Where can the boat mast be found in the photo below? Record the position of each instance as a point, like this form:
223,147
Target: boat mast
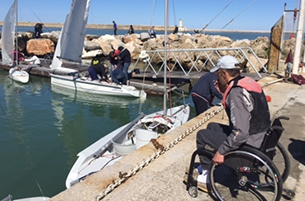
165,55
299,36
16,33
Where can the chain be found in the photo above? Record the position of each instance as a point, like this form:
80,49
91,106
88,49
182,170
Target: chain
161,150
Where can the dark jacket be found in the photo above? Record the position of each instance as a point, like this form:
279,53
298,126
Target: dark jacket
205,87
99,68
125,56
113,60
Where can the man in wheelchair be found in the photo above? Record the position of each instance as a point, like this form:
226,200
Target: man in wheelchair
249,118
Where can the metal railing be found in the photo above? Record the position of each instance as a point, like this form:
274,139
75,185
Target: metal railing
199,58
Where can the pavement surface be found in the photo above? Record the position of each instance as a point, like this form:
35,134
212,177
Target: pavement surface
153,176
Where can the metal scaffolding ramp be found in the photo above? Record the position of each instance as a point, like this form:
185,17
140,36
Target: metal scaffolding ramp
198,59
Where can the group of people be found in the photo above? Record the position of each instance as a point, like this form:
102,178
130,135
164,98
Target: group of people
245,104
120,60
115,28
151,31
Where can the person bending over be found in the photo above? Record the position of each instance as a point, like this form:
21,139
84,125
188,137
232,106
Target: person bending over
118,75
97,68
204,91
249,118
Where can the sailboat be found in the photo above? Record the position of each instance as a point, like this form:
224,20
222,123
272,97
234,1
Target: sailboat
130,137
8,36
69,48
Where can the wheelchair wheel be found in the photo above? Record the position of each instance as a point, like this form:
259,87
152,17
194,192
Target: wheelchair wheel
281,161
246,174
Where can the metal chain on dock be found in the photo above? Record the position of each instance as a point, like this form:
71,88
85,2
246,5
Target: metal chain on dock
123,177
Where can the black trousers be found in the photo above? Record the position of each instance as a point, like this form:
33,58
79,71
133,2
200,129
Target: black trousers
211,138
200,104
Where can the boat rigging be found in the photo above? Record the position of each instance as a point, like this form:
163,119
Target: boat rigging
216,16
239,14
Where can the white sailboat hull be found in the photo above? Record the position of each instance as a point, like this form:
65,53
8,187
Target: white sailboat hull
103,88
38,198
19,75
118,143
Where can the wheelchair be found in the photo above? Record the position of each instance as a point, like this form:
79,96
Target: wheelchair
247,173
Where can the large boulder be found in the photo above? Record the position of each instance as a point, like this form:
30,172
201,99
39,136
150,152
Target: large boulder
40,46
144,36
54,36
91,54
134,49
91,45
131,37
261,46
241,43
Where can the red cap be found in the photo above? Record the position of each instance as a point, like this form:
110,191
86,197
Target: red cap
117,52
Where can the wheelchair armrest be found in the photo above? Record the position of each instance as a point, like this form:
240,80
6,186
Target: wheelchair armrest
279,128
283,117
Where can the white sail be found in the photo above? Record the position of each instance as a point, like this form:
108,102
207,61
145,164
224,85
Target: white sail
69,46
8,34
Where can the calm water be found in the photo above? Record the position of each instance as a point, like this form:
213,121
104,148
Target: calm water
42,130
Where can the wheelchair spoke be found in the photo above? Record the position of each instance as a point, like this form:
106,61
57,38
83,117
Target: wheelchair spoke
237,179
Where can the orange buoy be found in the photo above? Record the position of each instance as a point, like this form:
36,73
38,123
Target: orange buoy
268,98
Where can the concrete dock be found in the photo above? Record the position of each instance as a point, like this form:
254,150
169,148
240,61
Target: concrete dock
151,174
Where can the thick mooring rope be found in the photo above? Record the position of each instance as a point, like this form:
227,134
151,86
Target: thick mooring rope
161,150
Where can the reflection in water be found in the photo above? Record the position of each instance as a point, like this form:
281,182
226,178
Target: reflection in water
71,129
51,128
94,99
19,159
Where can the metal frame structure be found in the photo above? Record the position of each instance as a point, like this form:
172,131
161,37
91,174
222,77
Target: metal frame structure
240,53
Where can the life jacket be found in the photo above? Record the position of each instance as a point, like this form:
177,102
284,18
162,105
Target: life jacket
260,116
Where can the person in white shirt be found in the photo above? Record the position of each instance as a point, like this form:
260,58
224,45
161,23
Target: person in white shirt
33,60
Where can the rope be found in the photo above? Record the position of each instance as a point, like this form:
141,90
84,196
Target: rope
174,11
239,14
152,13
216,16
161,150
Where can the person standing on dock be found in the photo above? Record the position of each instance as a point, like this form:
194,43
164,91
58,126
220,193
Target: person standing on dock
38,30
288,63
114,27
125,60
204,91
248,112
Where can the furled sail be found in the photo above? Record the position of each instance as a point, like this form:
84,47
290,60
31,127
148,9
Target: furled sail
8,35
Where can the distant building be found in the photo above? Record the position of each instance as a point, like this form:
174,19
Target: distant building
181,27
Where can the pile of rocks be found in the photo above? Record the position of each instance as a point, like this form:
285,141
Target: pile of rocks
104,44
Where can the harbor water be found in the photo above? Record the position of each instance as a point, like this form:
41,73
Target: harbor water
43,129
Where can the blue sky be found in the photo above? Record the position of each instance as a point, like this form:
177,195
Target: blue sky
247,14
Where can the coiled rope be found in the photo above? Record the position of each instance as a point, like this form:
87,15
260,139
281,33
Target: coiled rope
161,150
